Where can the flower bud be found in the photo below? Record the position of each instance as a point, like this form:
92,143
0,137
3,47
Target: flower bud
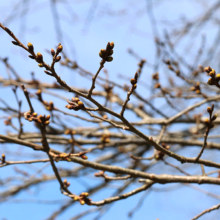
41,65
214,117
52,51
80,103
207,69
209,110
3,158
39,58
112,45
58,59
59,48
218,76
76,198
110,53
109,59
15,43
84,157
82,202
102,53
212,73
47,122
47,117
133,81
34,114
211,81
30,47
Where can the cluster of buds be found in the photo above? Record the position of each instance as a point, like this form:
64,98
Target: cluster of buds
105,54
133,81
69,131
83,198
100,174
62,156
157,85
44,120
8,121
105,138
155,76
159,154
65,183
3,158
49,105
75,104
171,67
55,54
212,118
196,88
215,78
140,65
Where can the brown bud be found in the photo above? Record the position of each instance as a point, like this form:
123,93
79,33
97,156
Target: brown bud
41,65
30,47
3,158
212,73
214,117
52,51
157,85
209,110
133,81
211,126
110,52
109,59
82,202
218,76
15,43
207,121
207,69
102,53
112,45
76,198
39,58
211,81
84,194
47,122
75,99
32,57
59,48
47,117
170,67
58,59
80,103
177,72
67,131
84,157
34,114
